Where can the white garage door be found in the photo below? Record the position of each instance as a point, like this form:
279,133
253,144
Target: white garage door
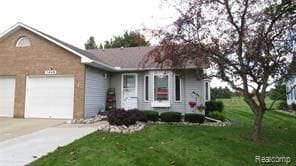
50,97
7,91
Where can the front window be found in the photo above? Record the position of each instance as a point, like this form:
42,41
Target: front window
161,87
177,88
207,91
146,88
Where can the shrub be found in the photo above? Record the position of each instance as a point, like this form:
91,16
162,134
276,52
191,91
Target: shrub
170,117
293,106
121,117
210,106
217,115
194,118
219,106
213,106
283,105
151,115
137,115
221,93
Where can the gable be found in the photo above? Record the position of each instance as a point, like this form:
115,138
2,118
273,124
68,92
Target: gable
33,60
40,49
86,57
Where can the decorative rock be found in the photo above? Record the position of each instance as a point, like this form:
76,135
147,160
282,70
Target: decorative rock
122,129
69,121
86,121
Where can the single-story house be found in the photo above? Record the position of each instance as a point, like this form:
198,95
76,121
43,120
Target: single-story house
291,94
44,77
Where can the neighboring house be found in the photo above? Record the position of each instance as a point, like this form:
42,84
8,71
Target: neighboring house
291,96
43,77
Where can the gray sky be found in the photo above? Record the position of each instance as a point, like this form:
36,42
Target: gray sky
74,21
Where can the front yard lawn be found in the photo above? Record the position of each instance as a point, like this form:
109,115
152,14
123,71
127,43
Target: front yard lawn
185,145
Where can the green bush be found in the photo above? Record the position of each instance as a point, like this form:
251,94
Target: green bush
194,118
213,106
210,106
151,115
219,106
170,116
121,117
283,105
217,115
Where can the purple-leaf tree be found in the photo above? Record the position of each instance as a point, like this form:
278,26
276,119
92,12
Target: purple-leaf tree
247,43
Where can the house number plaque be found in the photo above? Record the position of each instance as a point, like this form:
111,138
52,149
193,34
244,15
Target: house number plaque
50,71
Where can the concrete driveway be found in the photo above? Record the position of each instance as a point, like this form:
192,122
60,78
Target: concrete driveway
21,150
12,127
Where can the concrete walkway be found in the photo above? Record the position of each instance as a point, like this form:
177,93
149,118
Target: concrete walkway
24,149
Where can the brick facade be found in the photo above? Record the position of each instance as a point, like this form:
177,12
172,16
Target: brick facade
34,60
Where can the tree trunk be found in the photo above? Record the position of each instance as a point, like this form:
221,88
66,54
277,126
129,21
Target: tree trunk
256,136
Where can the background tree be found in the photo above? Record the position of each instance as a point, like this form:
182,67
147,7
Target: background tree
90,44
128,39
245,41
218,93
278,93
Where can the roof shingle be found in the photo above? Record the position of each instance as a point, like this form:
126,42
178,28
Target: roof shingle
122,57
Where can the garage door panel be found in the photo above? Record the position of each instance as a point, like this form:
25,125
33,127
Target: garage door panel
7,94
50,97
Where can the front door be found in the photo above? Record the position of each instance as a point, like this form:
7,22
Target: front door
129,91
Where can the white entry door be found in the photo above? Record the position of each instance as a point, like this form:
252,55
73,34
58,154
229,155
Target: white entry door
129,91
7,93
50,97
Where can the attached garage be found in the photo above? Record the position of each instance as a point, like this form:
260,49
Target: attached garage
7,93
43,77
49,97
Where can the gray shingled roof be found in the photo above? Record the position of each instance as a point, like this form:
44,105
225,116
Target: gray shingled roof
122,57
116,57
125,58
80,51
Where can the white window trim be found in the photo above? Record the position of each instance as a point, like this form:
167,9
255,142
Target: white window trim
145,88
136,77
163,103
181,96
20,40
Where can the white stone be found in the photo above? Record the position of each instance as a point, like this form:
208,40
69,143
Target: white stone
125,131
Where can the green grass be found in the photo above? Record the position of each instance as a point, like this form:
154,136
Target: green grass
185,145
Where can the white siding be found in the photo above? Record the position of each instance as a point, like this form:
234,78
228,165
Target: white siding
189,84
291,97
192,84
96,86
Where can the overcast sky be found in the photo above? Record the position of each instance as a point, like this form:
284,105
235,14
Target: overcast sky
73,21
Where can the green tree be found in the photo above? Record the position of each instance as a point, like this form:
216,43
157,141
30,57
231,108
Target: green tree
90,44
245,41
218,93
278,93
128,39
